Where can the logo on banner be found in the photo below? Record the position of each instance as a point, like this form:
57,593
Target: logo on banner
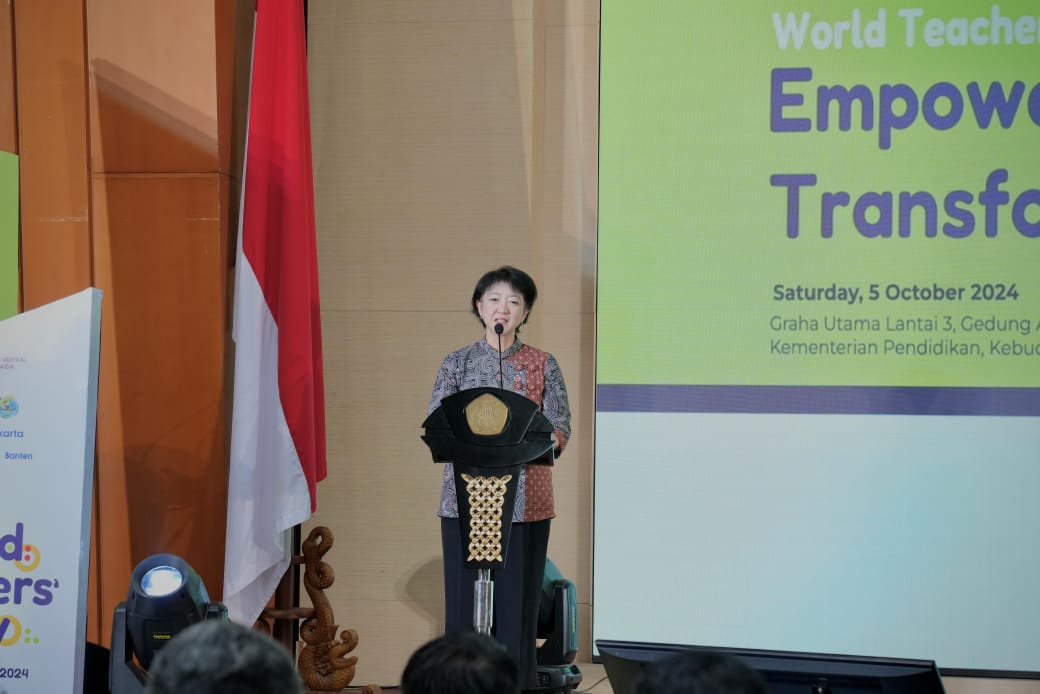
8,406
8,410
10,361
21,587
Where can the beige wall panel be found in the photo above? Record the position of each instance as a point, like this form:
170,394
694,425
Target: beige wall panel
570,13
381,494
52,117
338,13
153,97
971,685
380,497
570,543
567,179
160,259
398,628
431,168
419,159
564,235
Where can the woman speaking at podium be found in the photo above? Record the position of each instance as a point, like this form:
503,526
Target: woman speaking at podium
505,297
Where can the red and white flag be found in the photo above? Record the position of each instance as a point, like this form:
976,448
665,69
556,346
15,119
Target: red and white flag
278,421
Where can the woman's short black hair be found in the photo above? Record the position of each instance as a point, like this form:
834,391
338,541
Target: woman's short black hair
517,279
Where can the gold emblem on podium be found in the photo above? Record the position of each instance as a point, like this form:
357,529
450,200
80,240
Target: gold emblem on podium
487,415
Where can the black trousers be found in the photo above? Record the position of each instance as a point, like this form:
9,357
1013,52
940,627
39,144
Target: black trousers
517,591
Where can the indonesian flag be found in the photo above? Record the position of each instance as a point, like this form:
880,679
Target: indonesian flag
278,422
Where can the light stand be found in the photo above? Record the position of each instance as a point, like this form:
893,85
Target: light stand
166,596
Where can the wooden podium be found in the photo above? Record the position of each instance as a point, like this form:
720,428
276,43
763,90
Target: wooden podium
487,434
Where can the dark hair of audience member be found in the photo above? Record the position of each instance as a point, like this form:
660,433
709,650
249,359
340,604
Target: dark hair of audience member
221,657
699,673
461,663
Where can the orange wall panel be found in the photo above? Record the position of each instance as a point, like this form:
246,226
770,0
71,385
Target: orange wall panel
52,118
161,91
8,112
153,97
234,32
160,259
130,113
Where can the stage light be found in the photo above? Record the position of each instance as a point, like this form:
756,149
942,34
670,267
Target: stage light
558,625
162,580
166,596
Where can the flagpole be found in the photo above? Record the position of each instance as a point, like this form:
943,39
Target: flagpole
287,596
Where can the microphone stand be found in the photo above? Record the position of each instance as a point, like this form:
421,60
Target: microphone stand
484,586
498,331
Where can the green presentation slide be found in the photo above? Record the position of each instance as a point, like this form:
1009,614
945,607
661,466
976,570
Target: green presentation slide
818,329
829,194
8,235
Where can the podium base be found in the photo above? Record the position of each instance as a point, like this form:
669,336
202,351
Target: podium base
556,679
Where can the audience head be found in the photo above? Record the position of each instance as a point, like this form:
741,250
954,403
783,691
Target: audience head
699,673
461,663
221,657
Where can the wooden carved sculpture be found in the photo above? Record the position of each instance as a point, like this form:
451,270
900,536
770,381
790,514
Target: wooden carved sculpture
323,663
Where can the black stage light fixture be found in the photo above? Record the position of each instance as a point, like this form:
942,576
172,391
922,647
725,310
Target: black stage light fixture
166,596
558,625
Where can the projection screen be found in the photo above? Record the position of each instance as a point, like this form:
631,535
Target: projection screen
818,332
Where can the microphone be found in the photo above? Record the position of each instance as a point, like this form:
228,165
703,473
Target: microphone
498,331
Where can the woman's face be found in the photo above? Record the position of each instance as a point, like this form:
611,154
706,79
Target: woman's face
501,304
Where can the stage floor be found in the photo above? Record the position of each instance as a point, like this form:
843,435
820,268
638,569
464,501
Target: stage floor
593,679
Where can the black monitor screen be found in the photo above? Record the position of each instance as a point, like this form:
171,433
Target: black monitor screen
785,672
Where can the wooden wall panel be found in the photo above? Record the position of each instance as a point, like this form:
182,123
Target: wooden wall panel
153,97
160,260
160,103
8,95
234,36
139,93
52,118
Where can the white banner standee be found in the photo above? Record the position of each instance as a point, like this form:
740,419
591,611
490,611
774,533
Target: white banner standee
49,360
